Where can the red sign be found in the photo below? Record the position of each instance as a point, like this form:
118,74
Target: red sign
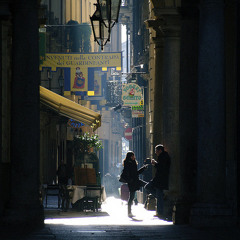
128,134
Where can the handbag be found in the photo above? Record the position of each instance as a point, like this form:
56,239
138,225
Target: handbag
123,177
122,180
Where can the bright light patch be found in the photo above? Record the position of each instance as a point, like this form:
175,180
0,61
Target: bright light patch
90,93
124,34
104,69
118,68
117,215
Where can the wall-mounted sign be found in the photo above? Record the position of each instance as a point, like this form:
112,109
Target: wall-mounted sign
74,124
137,111
138,108
131,94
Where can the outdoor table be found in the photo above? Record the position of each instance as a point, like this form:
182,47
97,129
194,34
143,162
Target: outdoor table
79,192
87,197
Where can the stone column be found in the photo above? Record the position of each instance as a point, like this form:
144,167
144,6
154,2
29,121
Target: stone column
157,117
166,94
150,94
158,52
170,106
24,208
188,111
210,209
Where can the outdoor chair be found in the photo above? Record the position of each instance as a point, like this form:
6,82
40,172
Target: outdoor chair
92,200
52,190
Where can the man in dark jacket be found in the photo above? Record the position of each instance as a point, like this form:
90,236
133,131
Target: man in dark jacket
160,181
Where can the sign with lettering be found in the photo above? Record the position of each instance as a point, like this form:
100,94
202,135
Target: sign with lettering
131,94
74,124
79,69
138,111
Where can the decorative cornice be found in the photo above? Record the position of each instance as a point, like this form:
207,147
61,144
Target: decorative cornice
154,24
166,26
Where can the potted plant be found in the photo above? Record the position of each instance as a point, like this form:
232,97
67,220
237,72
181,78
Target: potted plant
85,147
85,144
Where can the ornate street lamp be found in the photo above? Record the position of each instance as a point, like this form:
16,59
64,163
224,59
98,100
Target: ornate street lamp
100,31
103,19
109,10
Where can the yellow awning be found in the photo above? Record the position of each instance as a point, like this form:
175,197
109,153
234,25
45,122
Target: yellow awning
69,108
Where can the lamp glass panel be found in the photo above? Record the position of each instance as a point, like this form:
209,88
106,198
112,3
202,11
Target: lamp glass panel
96,25
105,35
104,8
101,33
115,7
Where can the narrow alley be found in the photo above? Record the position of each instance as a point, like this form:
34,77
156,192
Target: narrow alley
112,222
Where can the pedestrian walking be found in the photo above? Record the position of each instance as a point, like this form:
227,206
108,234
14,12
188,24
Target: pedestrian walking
132,177
161,178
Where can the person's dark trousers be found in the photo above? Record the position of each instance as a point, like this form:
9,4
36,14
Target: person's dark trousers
130,201
132,195
158,194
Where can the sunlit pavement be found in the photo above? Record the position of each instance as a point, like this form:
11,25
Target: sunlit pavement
116,214
112,222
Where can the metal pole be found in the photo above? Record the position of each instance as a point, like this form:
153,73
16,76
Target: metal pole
127,46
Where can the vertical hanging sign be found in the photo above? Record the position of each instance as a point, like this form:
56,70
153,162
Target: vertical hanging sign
131,94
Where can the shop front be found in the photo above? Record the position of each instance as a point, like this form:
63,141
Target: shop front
62,120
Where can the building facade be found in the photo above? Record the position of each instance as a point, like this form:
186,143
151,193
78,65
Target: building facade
192,106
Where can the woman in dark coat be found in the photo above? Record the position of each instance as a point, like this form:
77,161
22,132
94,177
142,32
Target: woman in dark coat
132,177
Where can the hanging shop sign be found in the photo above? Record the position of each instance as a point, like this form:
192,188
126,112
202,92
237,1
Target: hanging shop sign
82,71
137,111
131,94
